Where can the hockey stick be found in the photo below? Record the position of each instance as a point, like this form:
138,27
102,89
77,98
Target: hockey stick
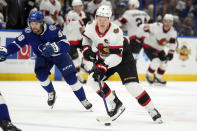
103,95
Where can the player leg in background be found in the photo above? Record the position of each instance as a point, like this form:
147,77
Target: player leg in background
160,72
77,62
154,64
42,71
135,46
68,70
116,105
128,74
5,121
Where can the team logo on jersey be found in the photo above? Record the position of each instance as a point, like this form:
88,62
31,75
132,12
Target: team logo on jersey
184,51
28,30
52,27
116,30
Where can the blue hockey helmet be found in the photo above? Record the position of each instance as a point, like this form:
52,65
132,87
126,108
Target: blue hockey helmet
36,16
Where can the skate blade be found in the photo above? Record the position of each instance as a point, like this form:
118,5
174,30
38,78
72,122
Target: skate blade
51,107
107,119
159,121
120,111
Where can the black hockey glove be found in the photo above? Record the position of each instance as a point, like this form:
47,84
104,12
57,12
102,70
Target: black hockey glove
162,55
3,54
169,56
49,49
100,71
88,54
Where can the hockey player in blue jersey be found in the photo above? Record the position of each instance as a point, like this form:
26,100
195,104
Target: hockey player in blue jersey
5,121
51,48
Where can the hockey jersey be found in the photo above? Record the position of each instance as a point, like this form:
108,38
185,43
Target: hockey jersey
50,34
112,38
51,12
133,19
74,26
92,6
160,39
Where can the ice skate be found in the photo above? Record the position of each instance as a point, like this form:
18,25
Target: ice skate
87,104
117,108
156,116
51,99
8,126
149,79
159,82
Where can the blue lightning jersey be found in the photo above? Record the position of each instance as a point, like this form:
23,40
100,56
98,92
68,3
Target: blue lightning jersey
50,34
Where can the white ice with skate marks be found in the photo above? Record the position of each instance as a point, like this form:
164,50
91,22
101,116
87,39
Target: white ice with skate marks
27,102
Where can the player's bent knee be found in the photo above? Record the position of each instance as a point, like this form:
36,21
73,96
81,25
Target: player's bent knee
42,76
134,88
45,82
71,79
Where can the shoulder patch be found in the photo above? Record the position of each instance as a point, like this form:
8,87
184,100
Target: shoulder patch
27,30
21,37
90,22
116,30
52,27
60,34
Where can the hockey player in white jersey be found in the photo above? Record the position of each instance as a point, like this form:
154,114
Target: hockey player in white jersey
94,5
74,27
51,10
131,20
103,41
159,46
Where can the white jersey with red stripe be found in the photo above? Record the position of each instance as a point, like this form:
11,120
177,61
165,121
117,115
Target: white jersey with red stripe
50,11
112,38
133,19
74,26
92,6
160,39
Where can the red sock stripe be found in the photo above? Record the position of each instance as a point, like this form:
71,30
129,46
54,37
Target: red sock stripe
107,93
151,70
99,91
146,103
143,93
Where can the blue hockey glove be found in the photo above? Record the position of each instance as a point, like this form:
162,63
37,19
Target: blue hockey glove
50,49
100,71
3,54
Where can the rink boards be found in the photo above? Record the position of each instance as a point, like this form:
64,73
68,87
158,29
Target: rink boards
20,66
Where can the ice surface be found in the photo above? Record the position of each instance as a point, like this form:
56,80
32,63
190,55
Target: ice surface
27,103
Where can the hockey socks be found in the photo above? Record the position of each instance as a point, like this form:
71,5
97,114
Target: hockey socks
47,85
4,115
78,91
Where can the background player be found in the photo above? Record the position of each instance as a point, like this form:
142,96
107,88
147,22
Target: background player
159,46
131,20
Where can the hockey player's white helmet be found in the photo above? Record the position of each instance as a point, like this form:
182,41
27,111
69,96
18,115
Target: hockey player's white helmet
168,17
76,2
104,10
135,3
